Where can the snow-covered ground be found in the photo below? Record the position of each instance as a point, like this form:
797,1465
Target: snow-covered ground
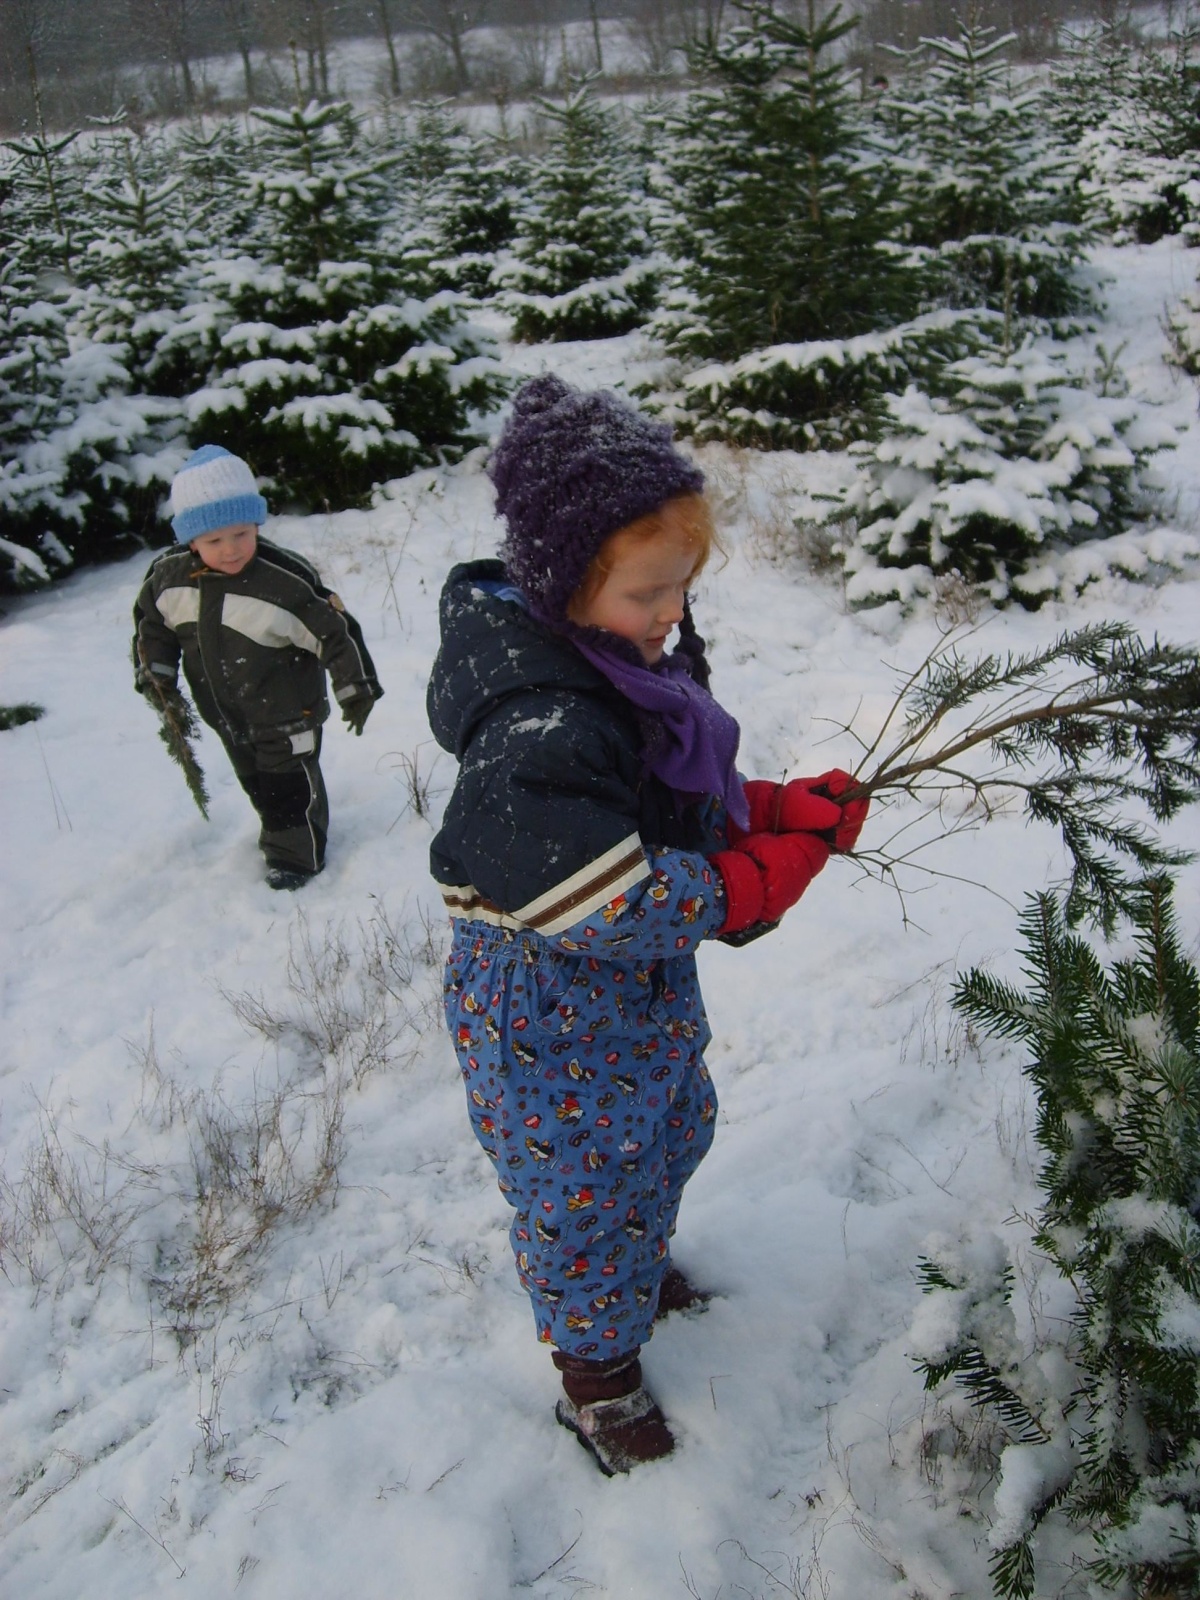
368,1413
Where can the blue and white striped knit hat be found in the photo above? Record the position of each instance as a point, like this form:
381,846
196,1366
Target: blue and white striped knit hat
213,489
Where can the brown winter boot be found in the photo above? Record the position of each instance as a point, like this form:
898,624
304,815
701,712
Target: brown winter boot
609,1412
679,1293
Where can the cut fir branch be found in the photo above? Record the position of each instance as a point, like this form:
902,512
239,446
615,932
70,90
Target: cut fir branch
177,728
1097,722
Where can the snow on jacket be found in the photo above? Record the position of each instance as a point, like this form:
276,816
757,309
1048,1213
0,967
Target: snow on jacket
255,646
579,891
552,817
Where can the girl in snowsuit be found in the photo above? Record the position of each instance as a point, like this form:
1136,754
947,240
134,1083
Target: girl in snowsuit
598,831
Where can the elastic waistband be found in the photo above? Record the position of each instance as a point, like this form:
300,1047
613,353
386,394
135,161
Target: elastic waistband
483,938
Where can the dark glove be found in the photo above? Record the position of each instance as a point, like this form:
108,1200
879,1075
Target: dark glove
356,711
159,694
765,874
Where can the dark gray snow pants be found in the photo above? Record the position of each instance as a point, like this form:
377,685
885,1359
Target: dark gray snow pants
282,777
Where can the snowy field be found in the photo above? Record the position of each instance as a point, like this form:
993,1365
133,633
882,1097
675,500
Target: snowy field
340,1394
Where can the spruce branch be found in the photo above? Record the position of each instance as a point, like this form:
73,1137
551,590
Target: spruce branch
1097,722
177,728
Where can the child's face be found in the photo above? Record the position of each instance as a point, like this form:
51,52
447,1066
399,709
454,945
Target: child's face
641,597
229,549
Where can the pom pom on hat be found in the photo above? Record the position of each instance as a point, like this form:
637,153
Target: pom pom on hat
213,489
570,468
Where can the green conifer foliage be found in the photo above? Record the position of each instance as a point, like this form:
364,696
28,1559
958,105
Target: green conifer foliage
1129,107
989,189
1017,461
476,216
777,211
581,264
1101,1420
312,354
81,476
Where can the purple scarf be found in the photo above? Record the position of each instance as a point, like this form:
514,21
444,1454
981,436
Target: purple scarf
698,749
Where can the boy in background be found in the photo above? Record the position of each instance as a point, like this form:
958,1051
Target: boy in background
256,631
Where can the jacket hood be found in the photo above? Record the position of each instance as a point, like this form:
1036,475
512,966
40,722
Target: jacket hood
491,648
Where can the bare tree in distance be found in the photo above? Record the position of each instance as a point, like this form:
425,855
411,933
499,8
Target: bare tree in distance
595,16
389,39
242,18
449,24
659,29
29,29
533,44
169,24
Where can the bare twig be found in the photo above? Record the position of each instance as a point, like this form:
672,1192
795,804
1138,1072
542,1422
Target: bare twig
1099,721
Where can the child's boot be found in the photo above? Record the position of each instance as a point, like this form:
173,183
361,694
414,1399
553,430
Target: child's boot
610,1413
679,1293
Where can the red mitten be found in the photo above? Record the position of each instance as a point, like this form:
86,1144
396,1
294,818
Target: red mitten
766,874
785,808
802,808
853,812
760,797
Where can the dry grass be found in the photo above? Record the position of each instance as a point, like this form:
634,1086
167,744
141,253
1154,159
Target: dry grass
249,1163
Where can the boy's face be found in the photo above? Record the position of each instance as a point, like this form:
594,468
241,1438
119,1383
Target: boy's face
229,549
641,597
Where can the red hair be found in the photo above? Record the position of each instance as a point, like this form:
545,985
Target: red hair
685,514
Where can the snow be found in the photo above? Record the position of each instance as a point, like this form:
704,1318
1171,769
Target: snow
370,1413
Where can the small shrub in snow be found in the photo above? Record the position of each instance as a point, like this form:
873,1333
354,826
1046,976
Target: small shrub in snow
16,716
1101,1413
1015,464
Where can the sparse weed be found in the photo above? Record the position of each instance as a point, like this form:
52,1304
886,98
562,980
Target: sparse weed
254,1165
416,779
72,1206
357,1007
241,1166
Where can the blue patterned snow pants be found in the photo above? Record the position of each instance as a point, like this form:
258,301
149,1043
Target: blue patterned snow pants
587,1088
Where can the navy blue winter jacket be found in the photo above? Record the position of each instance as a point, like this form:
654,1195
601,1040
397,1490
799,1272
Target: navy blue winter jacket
552,815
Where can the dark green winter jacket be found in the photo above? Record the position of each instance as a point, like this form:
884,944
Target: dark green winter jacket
255,647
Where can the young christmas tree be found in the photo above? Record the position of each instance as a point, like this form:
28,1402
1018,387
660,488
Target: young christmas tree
1128,107
791,282
987,186
1016,463
581,265
1098,1417
311,354
475,215
85,453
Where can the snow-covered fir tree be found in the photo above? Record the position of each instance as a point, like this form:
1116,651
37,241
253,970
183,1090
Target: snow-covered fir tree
1129,106
309,353
988,187
419,150
1097,1409
479,204
778,211
131,244
85,453
581,265
1017,461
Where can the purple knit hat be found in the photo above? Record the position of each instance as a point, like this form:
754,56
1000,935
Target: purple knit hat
571,467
